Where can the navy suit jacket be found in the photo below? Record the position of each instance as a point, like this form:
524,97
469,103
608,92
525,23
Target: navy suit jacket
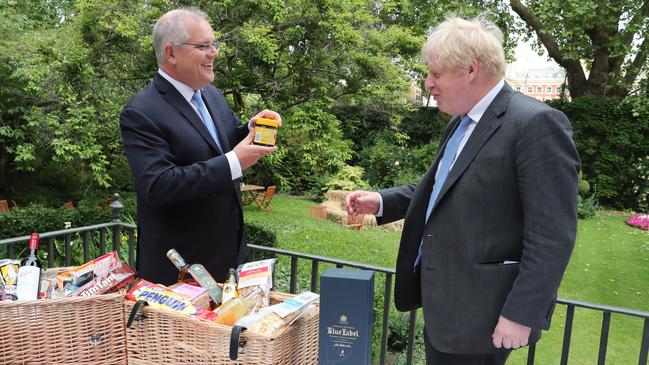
186,198
510,196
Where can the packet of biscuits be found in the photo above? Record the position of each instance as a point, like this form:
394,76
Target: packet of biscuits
101,275
271,319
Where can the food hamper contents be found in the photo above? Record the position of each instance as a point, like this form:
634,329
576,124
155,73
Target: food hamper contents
104,274
270,319
244,298
101,275
198,273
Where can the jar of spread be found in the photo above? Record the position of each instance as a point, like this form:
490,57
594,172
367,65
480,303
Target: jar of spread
266,132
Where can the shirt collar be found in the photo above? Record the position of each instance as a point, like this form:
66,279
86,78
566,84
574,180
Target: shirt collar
184,90
478,110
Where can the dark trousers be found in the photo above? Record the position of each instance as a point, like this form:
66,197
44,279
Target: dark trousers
435,357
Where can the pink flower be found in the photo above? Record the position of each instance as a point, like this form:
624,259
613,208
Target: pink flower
639,221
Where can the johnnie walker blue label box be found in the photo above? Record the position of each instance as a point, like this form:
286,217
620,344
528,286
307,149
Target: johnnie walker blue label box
346,317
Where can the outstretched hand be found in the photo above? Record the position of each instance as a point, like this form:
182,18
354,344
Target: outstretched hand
248,153
362,202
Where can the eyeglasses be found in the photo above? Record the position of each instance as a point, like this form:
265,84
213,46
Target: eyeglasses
205,47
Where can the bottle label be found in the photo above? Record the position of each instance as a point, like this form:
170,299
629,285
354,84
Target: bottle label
265,135
204,279
28,280
229,292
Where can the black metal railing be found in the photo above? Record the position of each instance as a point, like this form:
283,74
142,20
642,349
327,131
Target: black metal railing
101,234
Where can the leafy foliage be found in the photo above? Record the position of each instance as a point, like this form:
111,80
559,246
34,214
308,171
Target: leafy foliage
611,135
611,37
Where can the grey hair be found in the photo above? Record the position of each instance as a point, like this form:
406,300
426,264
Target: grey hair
456,41
170,29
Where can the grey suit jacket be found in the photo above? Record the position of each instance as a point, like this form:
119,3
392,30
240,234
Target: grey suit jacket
186,198
510,196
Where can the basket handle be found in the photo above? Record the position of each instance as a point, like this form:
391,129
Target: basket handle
235,342
131,317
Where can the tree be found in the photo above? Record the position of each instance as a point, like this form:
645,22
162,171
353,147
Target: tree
609,37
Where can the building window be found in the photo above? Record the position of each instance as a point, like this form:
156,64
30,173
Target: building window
558,89
418,95
529,89
549,89
539,89
518,88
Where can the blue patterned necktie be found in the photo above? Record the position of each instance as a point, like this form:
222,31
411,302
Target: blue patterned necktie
207,119
450,153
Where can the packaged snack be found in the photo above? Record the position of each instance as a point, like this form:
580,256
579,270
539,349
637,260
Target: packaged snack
159,296
270,319
9,273
197,295
98,276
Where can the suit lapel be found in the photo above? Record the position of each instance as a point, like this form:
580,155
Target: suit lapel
488,124
174,98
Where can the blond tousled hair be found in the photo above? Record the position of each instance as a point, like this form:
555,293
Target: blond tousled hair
456,42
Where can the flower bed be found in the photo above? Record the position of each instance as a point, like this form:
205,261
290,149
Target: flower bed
639,221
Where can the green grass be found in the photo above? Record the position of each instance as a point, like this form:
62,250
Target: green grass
610,265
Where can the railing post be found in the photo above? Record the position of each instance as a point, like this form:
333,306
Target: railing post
387,292
116,207
567,334
644,346
412,327
131,248
293,285
531,351
603,338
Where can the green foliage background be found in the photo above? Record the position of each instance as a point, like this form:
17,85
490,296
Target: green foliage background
338,71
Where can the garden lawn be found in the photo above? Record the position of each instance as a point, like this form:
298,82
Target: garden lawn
610,265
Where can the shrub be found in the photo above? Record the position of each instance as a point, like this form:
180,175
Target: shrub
586,207
611,136
259,235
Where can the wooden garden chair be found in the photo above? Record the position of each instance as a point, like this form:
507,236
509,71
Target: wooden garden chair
4,206
263,201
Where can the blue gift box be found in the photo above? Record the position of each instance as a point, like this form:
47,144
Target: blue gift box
346,317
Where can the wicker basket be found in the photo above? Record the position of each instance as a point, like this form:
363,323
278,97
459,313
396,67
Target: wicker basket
79,330
165,337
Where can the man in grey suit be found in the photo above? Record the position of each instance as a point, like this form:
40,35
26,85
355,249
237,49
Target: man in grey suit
490,228
187,151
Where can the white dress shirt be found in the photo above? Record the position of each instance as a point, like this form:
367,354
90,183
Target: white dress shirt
187,93
475,114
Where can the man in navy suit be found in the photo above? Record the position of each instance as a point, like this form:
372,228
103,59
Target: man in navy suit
490,228
187,151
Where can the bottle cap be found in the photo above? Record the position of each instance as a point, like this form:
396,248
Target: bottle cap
33,241
267,122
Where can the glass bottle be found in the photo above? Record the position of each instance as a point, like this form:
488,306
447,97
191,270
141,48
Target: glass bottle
181,265
198,273
230,288
238,307
29,273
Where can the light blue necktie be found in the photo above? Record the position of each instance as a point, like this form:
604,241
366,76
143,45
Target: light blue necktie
444,168
207,119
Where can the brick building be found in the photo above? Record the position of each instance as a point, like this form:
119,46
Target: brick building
540,83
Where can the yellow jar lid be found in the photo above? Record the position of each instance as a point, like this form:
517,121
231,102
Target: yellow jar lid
267,122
